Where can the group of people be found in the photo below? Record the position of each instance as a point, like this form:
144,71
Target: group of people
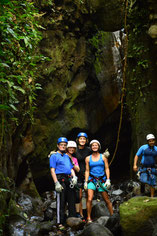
76,166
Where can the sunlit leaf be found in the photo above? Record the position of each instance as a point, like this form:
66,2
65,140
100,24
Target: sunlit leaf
4,107
25,215
19,89
13,107
12,32
4,190
4,65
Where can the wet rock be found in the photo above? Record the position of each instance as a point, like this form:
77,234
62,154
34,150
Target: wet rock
117,192
49,195
102,220
49,214
30,205
46,227
113,224
128,186
116,201
36,218
99,210
49,206
131,185
26,203
53,205
95,229
32,228
16,225
75,223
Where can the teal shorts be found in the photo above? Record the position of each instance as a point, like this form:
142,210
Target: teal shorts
92,186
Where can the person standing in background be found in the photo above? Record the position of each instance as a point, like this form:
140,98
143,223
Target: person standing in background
82,152
71,149
147,170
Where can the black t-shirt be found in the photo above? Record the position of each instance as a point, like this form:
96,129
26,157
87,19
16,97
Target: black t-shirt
81,154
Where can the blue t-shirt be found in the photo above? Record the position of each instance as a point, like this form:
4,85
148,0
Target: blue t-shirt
148,155
97,168
61,163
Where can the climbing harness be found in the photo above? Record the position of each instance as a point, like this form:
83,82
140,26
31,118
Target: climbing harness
149,171
98,181
148,175
66,179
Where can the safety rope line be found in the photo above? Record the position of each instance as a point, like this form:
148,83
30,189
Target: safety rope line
124,82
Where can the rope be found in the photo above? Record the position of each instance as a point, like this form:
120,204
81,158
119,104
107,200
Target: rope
124,82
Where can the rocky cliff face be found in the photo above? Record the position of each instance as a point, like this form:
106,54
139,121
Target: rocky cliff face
141,77
82,79
82,84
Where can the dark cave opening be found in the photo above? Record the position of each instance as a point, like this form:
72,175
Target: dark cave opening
107,135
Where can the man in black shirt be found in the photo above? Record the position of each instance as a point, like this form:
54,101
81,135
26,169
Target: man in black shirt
82,152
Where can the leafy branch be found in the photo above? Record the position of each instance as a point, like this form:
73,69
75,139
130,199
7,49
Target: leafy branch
19,61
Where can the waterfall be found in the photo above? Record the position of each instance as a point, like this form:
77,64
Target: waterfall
118,56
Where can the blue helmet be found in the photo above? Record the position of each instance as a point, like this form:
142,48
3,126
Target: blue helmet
62,139
81,134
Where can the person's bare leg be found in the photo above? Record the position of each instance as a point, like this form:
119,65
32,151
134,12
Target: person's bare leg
81,210
108,202
152,191
77,206
89,203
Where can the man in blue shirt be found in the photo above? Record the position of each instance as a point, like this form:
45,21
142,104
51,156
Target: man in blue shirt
147,170
64,178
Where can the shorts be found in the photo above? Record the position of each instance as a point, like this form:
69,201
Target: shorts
92,186
147,177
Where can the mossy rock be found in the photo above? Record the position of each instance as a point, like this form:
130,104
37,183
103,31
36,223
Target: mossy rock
107,15
3,209
14,208
137,216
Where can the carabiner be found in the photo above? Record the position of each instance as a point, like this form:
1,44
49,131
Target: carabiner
97,185
71,184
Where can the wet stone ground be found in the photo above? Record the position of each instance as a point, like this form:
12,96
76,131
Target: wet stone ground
38,216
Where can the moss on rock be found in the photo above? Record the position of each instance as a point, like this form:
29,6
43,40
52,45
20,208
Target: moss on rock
3,209
136,214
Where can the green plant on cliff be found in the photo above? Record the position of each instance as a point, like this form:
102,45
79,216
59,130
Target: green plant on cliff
19,61
138,52
98,41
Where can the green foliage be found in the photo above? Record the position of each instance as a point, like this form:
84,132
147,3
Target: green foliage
138,52
98,41
19,62
137,18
